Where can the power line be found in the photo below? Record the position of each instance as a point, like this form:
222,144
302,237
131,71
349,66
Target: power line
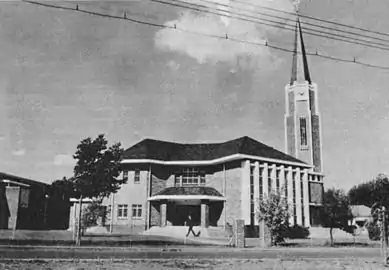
291,20
281,25
312,18
232,39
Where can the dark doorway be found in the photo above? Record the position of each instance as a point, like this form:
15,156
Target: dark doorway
178,214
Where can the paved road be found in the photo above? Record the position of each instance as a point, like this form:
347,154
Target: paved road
171,253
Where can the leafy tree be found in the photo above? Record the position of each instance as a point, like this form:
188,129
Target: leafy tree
96,171
335,211
373,230
374,193
273,210
93,213
63,188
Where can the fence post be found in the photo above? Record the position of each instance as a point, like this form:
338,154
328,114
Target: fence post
239,233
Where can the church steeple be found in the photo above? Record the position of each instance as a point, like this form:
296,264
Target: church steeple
300,70
302,116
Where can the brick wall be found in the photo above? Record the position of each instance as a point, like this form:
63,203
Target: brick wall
290,136
215,177
161,177
233,192
316,143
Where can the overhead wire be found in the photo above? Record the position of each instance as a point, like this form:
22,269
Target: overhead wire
311,18
275,24
174,27
229,6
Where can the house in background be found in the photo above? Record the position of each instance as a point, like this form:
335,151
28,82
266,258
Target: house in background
361,215
27,204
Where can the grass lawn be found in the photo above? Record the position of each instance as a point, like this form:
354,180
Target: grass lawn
278,264
65,238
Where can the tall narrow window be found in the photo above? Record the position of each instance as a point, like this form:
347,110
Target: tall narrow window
252,206
286,183
278,172
260,182
269,176
303,131
302,198
125,175
137,177
294,198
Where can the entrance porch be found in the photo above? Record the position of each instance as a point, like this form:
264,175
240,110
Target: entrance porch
175,204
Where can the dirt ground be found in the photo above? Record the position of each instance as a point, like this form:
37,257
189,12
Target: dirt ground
349,264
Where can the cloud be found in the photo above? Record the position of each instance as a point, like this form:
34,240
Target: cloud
64,160
212,50
19,152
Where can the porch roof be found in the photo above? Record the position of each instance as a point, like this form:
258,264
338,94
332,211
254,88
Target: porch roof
188,193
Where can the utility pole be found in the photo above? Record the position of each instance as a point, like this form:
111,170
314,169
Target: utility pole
112,213
382,216
385,237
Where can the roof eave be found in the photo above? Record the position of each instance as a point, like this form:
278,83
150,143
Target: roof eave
216,161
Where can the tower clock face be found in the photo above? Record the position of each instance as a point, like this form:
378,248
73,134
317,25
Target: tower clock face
301,95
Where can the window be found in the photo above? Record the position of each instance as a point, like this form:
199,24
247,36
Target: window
260,182
302,197
122,211
294,198
137,177
189,177
136,211
270,180
252,206
125,175
303,131
278,172
24,197
286,183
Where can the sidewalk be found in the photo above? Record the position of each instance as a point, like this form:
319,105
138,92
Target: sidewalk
64,238
198,249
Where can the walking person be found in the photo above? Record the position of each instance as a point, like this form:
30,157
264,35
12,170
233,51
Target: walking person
189,222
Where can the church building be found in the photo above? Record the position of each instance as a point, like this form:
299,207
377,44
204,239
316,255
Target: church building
217,183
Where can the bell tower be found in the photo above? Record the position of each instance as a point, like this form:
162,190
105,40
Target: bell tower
302,118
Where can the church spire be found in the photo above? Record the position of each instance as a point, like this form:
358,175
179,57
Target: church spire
300,70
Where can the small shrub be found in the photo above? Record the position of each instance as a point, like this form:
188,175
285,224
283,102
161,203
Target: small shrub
374,231
273,210
350,229
297,232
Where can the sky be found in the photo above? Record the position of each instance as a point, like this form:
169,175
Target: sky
65,76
